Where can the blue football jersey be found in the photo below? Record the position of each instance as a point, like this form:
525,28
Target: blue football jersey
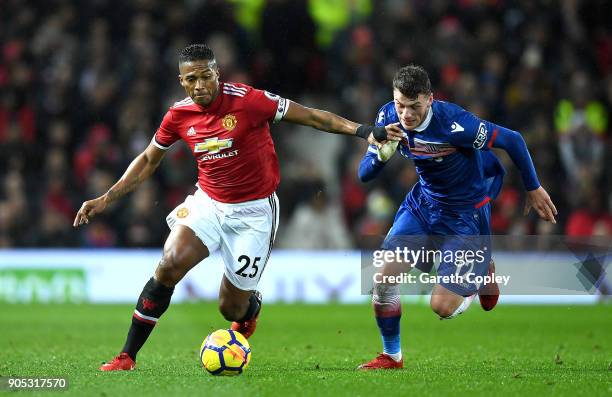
450,150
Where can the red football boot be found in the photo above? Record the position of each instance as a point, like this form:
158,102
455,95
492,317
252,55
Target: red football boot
382,361
247,328
122,362
489,294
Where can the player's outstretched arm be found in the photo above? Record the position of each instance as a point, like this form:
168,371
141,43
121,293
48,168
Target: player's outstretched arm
139,169
330,122
482,134
514,144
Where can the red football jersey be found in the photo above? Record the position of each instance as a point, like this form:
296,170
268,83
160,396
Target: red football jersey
230,139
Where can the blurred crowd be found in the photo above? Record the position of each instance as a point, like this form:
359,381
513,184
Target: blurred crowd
84,85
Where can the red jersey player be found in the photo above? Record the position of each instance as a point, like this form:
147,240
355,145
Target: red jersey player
234,209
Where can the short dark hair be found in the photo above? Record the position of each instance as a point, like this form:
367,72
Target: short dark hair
412,80
196,52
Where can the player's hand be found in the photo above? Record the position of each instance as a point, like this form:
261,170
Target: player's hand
394,133
373,141
88,210
541,202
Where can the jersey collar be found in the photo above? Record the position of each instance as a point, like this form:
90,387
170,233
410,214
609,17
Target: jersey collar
425,122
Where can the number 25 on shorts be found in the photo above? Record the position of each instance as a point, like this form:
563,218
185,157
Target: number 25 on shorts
248,269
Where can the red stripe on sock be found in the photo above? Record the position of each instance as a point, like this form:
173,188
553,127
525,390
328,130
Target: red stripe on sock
144,320
385,311
389,313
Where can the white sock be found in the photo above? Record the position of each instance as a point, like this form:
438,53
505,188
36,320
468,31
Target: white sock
462,307
395,356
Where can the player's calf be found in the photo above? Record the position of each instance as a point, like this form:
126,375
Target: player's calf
233,310
248,323
182,251
447,304
444,309
465,304
152,303
240,306
388,312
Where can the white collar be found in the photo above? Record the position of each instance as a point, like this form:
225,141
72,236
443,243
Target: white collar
427,120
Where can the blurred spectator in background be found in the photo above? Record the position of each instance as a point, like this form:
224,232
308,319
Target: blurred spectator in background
317,222
143,220
376,221
589,218
581,123
82,86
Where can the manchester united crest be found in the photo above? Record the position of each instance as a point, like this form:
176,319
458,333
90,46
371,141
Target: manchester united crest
229,122
182,212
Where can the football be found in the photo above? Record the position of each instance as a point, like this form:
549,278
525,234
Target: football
225,352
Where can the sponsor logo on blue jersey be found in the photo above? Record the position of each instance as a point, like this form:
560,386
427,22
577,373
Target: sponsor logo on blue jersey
456,127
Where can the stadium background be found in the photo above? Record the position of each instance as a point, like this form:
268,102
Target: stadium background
84,85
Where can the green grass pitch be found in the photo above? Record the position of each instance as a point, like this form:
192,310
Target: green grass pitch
313,350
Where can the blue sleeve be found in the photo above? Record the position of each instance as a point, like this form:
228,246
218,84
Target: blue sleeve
370,166
514,144
467,130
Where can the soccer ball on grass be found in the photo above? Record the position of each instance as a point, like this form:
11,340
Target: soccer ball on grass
225,352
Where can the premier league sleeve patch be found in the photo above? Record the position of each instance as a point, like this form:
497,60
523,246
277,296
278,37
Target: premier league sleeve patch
281,109
271,96
481,136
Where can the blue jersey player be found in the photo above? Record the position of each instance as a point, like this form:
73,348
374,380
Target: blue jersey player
449,206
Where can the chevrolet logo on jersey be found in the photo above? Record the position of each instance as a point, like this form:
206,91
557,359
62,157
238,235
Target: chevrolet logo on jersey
213,145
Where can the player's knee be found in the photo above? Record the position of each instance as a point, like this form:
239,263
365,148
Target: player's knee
170,269
232,311
443,308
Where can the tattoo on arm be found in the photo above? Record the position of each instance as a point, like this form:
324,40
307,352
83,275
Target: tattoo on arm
138,171
116,192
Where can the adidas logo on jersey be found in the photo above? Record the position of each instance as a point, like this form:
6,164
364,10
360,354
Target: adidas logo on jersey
191,131
455,127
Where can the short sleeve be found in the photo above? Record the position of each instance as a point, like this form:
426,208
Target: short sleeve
264,106
167,133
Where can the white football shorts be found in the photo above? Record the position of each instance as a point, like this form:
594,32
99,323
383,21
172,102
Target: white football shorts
243,232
